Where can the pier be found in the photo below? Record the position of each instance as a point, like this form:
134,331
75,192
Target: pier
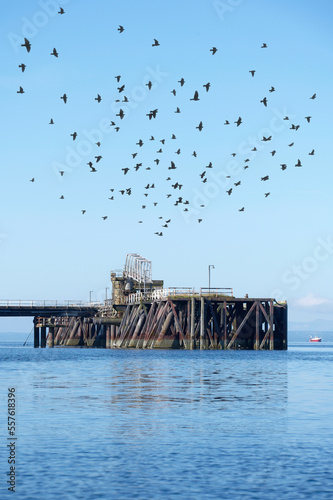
143,314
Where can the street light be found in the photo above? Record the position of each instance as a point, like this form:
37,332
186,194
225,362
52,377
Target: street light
90,295
209,267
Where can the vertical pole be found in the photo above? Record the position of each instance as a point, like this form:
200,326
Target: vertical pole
192,340
43,336
113,332
51,336
271,324
36,334
224,325
108,337
257,341
202,324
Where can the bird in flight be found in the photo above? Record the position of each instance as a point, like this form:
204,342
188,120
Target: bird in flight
118,78
182,81
229,191
308,118
61,11
283,166
265,178
104,217
226,122
237,183
264,101
156,43
149,85
64,97
121,89
98,98
312,152
54,53
312,97
26,44
241,209
207,86
272,89
264,46
252,71
238,122
22,66
51,122
74,135
177,110
21,91
173,92
195,97
32,180
121,114
140,143
62,197
83,211
98,158
194,154
213,50
265,139
298,164
199,127
121,29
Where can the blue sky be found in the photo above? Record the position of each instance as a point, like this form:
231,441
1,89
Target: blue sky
280,245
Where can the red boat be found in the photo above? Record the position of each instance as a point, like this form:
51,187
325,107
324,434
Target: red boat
315,339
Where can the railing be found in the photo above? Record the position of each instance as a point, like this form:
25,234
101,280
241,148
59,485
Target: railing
162,293
48,303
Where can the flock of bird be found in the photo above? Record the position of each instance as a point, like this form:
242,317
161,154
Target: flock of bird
174,186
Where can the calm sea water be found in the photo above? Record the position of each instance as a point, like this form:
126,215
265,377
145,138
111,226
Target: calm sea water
137,424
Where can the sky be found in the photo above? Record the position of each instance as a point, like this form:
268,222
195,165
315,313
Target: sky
280,245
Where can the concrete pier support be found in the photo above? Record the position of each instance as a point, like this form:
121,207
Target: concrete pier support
108,337
202,324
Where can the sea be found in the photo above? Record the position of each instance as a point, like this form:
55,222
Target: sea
150,424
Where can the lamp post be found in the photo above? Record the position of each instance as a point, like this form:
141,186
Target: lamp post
91,291
209,267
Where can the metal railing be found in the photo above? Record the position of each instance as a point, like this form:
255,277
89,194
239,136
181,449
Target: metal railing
161,293
48,303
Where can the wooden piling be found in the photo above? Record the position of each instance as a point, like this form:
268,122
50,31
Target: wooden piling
51,336
202,324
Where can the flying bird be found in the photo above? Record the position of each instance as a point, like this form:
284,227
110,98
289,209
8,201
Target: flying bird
54,53
312,97
74,135
264,101
26,44
149,85
61,11
182,81
207,86
22,66
213,50
98,98
83,211
51,122
64,98
121,114
195,97
98,158
118,78
264,46
298,164
177,110
32,180
21,91
226,122
265,139
173,92
308,118
199,127
272,89
238,122
312,152
241,209
104,217
283,166
229,191
156,43
252,71
121,29
265,178
121,88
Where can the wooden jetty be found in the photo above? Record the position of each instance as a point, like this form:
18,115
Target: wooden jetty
143,314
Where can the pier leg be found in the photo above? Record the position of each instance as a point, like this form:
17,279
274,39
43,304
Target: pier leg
108,337
257,341
36,334
192,339
43,336
271,325
113,333
202,324
51,336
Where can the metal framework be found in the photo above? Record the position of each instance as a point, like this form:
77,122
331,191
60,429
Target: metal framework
137,268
